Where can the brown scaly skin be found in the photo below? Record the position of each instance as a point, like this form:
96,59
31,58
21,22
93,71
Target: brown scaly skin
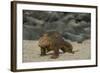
54,41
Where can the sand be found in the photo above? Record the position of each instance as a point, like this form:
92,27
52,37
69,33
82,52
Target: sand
31,52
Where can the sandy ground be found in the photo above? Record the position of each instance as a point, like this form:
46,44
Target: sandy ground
31,52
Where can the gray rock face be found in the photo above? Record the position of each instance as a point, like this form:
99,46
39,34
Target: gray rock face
72,26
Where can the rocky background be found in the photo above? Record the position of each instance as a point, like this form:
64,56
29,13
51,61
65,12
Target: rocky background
73,26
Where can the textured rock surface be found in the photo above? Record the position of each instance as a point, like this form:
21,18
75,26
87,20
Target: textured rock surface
73,26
